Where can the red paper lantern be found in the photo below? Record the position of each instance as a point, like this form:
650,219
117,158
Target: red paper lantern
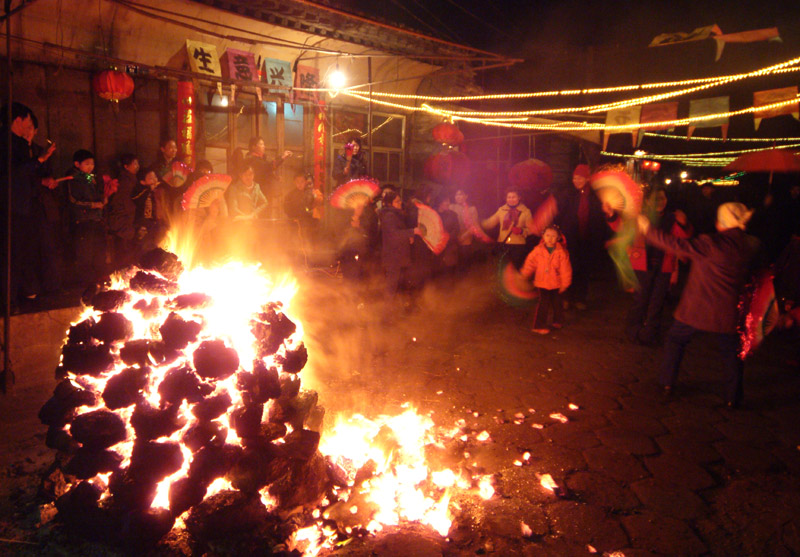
112,85
448,133
449,167
531,174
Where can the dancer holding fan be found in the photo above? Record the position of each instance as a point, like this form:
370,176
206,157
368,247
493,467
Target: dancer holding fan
513,218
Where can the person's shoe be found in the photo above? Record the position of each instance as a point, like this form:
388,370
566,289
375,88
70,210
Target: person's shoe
580,306
541,331
556,325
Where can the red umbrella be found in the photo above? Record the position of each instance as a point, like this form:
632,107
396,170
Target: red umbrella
768,160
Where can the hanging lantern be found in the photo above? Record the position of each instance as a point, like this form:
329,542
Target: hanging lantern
531,174
448,133
449,167
112,85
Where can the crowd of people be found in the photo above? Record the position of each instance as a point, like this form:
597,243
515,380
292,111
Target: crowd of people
557,243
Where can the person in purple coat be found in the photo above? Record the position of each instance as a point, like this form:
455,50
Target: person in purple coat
721,265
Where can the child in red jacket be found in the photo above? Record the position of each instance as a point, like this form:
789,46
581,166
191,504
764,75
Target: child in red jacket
549,266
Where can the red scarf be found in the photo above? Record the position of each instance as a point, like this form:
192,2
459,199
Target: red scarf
512,217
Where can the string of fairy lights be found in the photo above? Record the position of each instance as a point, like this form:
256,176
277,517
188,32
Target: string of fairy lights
523,119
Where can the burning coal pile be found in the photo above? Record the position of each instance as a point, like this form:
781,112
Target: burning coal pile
176,409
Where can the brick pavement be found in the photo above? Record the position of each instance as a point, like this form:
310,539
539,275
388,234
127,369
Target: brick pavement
643,475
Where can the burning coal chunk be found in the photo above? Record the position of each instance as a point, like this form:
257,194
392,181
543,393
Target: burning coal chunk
301,444
163,262
294,360
212,407
110,300
142,529
257,467
136,352
272,328
204,434
210,463
148,309
112,327
81,332
57,438
194,300
67,396
99,429
304,484
152,284
151,423
181,383
273,430
259,386
131,493
246,420
184,494
214,360
298,410
87,463
125,388
225,515
80,510
87,359
177,333
152,462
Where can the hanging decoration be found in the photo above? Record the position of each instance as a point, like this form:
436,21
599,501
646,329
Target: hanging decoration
623,117
186,122
756,35
705,107
658,112
531,174
320,147
306,77
450,167
699,34
203,58
113,85
772,96
448,134
278,72
238,64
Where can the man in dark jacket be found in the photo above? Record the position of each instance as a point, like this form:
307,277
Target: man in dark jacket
396,238
721,264
581,220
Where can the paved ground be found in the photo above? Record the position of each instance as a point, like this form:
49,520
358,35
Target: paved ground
640,474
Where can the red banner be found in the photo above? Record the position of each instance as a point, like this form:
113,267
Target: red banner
320,148
186,122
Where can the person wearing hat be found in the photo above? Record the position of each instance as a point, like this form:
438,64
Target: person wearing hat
721,265
582,223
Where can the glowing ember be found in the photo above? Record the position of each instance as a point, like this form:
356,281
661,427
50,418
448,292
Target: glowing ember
573,406
548,482
486,488
482,436
559,417
526,530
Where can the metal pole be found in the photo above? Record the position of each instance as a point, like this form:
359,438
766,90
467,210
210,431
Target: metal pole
7,374
369,114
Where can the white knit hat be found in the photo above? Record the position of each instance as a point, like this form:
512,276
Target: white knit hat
733,215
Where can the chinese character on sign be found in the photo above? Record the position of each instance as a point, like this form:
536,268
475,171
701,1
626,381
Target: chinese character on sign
239,65
278,72
203,58
242,68
307,78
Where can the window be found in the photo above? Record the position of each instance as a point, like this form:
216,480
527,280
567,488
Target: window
388,137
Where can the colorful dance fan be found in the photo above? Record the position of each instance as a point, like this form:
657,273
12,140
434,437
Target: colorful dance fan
760,314
204,191
355,192
433,232
177,174
618,190
512,287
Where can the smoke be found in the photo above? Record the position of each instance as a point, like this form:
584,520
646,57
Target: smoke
361,344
